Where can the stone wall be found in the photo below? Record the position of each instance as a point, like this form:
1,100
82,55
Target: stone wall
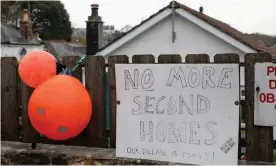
16,153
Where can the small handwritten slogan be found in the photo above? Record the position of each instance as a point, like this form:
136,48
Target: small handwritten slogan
228,145
265,85
178,112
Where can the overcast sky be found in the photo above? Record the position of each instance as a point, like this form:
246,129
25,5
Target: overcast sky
245,15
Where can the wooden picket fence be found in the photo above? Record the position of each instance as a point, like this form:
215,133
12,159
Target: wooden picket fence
15,95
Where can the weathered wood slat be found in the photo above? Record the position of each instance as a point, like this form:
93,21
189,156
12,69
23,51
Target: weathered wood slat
169,58
29,134
112,60
70,61
259,139
143,59
227,58
9,100
243,143
197,58
95,84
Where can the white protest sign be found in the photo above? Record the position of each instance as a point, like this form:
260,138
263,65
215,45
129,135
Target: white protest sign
183,113
265,94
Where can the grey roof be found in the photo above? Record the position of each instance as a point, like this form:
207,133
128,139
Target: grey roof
63,48
10,35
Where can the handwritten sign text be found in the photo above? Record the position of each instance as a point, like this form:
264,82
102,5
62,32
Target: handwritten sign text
178,112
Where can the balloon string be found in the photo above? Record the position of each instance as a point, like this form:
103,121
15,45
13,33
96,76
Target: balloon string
79,63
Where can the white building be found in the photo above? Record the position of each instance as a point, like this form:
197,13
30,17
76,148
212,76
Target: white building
194,31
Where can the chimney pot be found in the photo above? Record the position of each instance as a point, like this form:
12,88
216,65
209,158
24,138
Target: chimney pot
25,15
94,8
201,9
94,5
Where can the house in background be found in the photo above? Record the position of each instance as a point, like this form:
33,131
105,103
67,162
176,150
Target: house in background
63,48
194,32
108,29
16,43
178,29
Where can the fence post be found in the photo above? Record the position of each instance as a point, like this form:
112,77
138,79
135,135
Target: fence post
231,58
112,60
29,134
9,100
259,139
95,84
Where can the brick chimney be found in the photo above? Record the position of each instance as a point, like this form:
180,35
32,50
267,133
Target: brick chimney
94,31
26,26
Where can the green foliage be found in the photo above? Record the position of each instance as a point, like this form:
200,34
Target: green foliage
267,40
53,18
10,12
5,7
50,16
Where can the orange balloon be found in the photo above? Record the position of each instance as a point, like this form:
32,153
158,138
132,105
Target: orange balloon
60,108
36,67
